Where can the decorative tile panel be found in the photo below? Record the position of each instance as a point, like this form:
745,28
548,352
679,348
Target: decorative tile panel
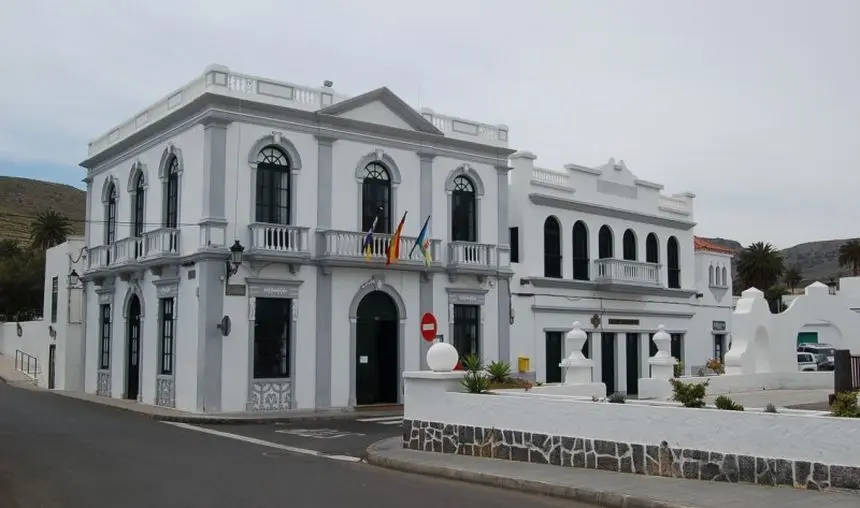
103,383
164,391
650,460
270,394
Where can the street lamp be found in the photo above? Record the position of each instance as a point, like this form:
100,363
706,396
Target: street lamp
73,278
236,252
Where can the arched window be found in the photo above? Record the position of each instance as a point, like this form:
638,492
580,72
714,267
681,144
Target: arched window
110,215
673,259
171,194
711,276
629,245
376,198
725,277
551,248
605,242
580,251
273,187
463,216
652,249
137,217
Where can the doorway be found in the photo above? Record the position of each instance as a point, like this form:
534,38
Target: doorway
633,364
132,366
377,350
52,367
607,361
553,356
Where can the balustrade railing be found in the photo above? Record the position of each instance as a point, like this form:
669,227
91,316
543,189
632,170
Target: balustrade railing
472,254
127,250
280,238
98,257
350,244
632,272
550,178
161,242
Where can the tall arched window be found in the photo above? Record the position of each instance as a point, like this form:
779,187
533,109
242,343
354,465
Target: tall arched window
629,245
711,281
463,216
376,198
580,251
171,194
725,277
137,217
673,259
605,242
110,215
273,187
551,248
652,249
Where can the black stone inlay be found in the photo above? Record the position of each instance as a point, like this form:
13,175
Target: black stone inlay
651,460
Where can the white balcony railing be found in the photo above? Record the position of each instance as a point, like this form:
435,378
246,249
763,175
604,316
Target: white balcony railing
161,242
549,178
673,205
477,255
127,250
349,244
98,257
280,238
628,272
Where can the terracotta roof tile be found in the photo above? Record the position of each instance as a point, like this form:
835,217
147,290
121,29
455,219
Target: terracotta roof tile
702,244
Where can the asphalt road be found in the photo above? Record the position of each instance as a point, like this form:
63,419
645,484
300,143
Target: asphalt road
57,452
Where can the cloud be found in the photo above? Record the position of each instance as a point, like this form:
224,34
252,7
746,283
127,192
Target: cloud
751,105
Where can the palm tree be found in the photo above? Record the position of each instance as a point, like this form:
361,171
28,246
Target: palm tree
49,229
849,255
792,277
760,266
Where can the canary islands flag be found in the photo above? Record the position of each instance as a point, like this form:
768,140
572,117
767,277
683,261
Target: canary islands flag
368,240
423,243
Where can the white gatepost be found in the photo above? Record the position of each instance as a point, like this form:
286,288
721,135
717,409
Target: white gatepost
577,368
662,369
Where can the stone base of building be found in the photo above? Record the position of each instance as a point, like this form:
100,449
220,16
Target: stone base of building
650,460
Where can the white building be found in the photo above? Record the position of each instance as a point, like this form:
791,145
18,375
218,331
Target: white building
605,248
295,175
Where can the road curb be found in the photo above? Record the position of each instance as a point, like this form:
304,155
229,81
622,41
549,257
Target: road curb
609,499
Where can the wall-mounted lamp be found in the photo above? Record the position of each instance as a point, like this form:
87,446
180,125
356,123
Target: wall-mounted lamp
19,329
52,332
832,284
236,253
700,295
73,279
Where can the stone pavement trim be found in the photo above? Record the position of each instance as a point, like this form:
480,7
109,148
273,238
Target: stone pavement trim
601,487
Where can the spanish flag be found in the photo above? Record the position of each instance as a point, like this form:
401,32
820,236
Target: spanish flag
394,246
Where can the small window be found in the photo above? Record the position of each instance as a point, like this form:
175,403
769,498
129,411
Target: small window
167,345
104,347
55,290
515,244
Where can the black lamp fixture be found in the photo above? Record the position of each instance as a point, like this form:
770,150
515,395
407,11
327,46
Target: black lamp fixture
832,284
73,278
236,252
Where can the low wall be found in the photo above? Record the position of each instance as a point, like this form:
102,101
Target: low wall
33,341
658,439
739,383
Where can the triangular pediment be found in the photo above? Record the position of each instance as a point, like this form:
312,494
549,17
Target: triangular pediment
381,107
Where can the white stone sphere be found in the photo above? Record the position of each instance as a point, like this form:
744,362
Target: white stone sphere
442,357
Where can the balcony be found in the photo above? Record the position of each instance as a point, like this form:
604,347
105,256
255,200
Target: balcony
279,242
161,243
98,258
627,273
345,248
470,258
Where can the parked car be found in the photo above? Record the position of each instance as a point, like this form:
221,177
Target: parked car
825,362
826,350
806,362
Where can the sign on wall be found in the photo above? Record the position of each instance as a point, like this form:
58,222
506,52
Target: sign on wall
718,326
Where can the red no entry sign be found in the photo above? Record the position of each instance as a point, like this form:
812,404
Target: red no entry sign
429,326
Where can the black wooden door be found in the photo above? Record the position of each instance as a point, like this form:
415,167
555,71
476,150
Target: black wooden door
377,363
607,361
633,364
553,356
133,350
52,368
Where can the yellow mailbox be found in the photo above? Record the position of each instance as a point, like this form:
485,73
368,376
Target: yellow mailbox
523,364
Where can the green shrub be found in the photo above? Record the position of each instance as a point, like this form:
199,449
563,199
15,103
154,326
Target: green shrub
845,405
678,370
617,398
500,372
689,394
728,404
770,409
472,363
476,382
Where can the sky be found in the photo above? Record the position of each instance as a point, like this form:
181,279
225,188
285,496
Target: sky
753,106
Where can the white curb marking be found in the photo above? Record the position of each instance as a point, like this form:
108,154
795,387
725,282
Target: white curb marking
269,444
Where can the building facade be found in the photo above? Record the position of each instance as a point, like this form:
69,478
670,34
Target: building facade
294,177
605,248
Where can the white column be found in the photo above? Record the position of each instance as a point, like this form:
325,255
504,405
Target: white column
576,367
662,363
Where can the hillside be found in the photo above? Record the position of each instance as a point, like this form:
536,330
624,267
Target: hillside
817,260
22,199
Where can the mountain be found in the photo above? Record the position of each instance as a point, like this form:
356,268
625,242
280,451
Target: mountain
22,199
818,261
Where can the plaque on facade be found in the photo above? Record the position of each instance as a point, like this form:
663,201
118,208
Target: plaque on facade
623,322
235,290
719,326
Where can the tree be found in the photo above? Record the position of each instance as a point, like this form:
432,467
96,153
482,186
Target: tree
22,281
792,277
849,255
760,266
49,229
9,248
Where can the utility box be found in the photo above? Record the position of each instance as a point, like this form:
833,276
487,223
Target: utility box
523,364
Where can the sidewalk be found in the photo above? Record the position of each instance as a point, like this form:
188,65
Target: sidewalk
9,375
600,487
